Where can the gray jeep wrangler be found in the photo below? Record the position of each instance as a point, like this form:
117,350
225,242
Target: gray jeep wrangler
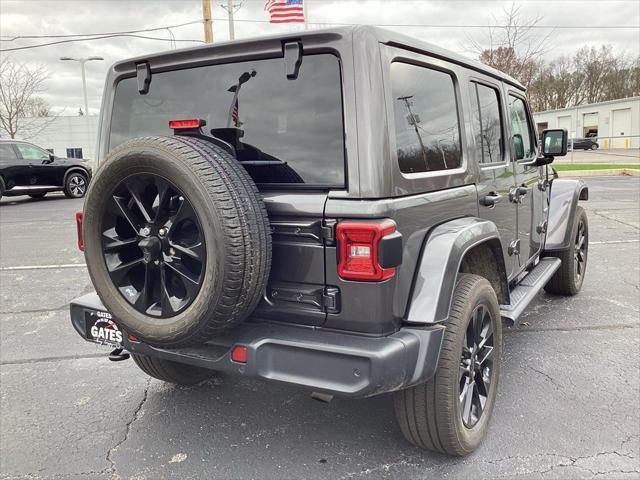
348,210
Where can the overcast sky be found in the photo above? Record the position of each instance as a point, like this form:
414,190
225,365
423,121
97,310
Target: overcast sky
63,17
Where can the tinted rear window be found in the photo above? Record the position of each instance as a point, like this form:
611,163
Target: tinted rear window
426,119
292,130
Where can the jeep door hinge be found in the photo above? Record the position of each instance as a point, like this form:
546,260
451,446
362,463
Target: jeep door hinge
542,228
328,230
331,300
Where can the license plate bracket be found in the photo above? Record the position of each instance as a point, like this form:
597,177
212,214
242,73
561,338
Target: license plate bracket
100,328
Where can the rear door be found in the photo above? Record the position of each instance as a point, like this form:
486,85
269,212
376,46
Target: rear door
11,167
496,168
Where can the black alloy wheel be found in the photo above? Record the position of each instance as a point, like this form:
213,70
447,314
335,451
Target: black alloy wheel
77,185
153,245
580,252
569,277
476,366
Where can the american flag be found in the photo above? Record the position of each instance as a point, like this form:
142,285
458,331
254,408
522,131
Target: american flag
285,11
235,115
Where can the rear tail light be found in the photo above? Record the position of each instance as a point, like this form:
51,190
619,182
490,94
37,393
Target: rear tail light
79,218
368,250
187,123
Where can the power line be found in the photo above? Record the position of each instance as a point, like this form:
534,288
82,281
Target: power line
97,38
6,38
414,25
132,33
427,25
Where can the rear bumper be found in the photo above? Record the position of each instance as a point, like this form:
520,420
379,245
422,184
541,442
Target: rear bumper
325,361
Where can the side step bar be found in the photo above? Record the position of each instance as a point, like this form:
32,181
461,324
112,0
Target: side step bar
528,288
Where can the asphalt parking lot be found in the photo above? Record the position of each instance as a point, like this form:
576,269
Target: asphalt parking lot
568,405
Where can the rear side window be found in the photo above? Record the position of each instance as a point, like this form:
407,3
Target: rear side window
426,119
290,131
521,128
7,152
487,124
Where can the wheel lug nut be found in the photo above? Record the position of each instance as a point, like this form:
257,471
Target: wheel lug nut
145,231
162,232
172,251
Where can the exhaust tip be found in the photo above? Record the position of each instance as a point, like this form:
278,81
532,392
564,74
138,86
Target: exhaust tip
322,397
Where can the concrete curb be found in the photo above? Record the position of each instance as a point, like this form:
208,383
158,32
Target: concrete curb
600,173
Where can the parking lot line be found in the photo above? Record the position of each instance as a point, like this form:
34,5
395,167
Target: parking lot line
42,267
611,242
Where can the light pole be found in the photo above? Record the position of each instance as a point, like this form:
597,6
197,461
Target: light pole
84,79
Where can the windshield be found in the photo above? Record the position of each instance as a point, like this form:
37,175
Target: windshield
290,131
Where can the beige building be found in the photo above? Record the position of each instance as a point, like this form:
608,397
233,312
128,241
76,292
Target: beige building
64,136
616,123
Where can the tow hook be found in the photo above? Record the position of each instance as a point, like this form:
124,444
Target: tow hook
118,355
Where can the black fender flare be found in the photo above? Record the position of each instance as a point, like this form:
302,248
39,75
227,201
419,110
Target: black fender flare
563,200
71,170
439,265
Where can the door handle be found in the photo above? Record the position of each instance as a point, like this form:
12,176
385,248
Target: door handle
516,194
490,200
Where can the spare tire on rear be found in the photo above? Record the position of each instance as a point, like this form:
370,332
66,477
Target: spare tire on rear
177,240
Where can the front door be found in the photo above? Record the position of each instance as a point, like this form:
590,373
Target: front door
41,170
496,181
529,195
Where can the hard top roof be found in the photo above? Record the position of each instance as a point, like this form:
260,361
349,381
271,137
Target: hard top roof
382,35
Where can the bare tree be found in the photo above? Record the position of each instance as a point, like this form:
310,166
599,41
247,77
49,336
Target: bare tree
37,107
513,45
19,88
591,75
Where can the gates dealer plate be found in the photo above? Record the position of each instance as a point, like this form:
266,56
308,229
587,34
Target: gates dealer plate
100,328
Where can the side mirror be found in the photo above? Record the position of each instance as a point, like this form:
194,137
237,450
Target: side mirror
554,142
518,146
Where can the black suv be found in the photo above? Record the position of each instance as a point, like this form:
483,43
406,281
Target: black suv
26,169
588,143
348,210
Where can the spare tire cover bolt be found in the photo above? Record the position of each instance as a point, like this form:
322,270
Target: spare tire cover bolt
145,231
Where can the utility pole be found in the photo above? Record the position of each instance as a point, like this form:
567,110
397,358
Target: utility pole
231,9
208,24
414,122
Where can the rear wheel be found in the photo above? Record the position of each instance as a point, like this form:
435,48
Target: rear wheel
569,277
171,372
594,146
76,185
450,413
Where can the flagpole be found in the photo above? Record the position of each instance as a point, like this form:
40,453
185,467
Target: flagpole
304,12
